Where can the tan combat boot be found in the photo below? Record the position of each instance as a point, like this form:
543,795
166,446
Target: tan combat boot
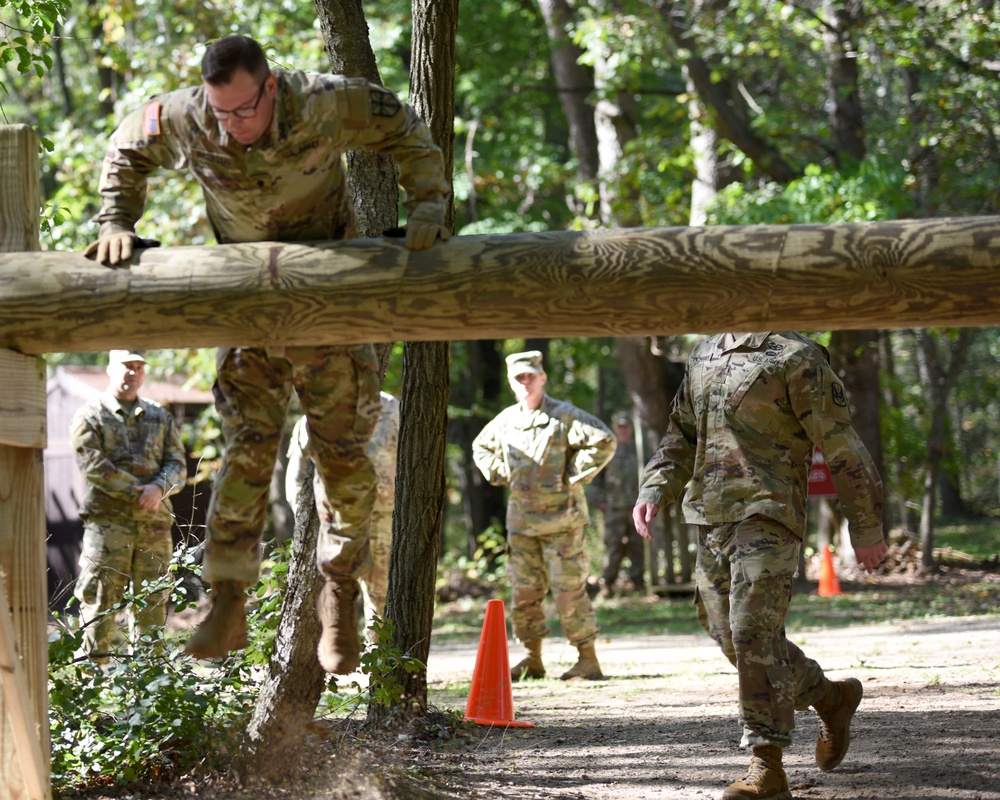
765,780
586,666
339,648
836,710
225,627
530,666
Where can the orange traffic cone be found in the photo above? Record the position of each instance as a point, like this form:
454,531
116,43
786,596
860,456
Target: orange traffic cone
829,586
491,701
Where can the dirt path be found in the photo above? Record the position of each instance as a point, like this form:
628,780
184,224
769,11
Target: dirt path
663,726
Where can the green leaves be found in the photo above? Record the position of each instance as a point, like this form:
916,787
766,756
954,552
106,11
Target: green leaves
25,30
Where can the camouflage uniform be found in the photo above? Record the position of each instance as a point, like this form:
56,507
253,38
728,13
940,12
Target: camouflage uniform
382,451
621,485
288,186
123,543
546,457
741,437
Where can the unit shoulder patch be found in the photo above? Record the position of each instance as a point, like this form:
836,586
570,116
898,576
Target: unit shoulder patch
384,103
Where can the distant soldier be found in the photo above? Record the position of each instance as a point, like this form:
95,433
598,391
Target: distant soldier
267,147
382,451
130,453
621,485
746,418
545,451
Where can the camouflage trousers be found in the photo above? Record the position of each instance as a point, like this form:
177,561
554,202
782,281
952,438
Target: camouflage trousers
116,555
556,561
338,389
621,540
375,583
744,578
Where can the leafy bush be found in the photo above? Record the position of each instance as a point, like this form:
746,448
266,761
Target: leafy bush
154,714
151,713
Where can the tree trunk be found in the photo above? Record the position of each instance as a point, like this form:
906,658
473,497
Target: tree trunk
856,359
727,110
847,120
371,177
939,373
420,466
416,527
481,502
295,681
574,83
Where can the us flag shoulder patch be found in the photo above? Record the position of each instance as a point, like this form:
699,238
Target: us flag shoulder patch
152,122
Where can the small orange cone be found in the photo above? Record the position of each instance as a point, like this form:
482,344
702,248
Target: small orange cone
829,586
491,701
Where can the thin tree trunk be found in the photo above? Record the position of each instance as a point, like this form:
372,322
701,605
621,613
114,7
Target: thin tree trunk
847,121
420,466
288,698
939,376
481,502
857,360
574,83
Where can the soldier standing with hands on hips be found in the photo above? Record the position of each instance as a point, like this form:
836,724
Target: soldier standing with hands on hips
267,147
746,418
545,450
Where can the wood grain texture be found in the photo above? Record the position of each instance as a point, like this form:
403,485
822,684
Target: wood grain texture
24,711
617,282
22,400
19,188
22,560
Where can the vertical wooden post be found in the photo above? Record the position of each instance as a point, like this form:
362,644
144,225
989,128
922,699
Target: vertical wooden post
24,715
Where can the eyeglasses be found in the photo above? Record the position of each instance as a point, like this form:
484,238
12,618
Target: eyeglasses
246,112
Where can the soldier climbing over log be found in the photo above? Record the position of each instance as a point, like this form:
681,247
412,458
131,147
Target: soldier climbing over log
267,147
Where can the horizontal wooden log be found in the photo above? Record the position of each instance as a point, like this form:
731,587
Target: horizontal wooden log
618,282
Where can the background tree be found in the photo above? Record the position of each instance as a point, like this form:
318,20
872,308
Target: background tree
420,468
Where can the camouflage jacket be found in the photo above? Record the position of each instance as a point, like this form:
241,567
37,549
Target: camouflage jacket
383,445
289,186
545,457
116,453
621,478
742,431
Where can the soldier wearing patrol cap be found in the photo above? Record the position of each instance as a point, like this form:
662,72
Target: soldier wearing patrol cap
545,450
750,410
130,453
267,148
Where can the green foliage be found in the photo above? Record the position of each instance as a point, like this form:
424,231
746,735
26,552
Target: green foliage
26,28
153,713
382,661
873,191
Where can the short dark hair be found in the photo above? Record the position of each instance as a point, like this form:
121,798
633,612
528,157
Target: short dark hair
226,55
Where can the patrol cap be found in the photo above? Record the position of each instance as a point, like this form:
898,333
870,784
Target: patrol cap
520,363
621,418
125,356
